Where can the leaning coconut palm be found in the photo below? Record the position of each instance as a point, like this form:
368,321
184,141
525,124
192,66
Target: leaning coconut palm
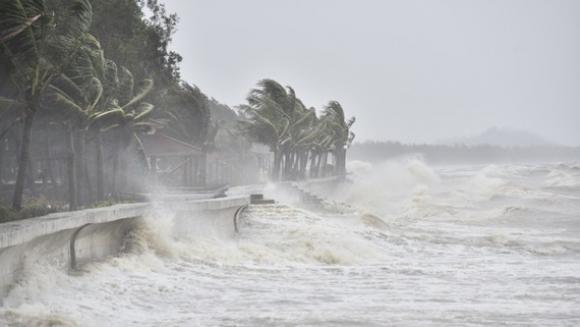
76,103
110,83
10,116
324,145
93,66
266,128
320,148
127,120
84,89
302,132
262,129
10,111
313,139
271,112
190,118
342,137
190,114
39,45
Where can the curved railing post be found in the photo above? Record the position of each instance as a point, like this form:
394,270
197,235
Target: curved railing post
237,218
73,254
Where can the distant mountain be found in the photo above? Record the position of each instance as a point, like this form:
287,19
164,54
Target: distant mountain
505,137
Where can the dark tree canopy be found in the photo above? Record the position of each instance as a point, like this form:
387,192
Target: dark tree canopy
138,42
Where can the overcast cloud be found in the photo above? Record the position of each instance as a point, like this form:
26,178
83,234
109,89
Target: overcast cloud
409,70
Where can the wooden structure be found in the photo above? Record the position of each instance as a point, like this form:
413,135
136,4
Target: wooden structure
173,162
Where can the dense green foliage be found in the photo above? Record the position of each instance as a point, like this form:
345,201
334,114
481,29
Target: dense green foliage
133,41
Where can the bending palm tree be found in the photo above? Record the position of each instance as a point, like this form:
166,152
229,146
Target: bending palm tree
83,90
38,48
272,116
128,119
339,128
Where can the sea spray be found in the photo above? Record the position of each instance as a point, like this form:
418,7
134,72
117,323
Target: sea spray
387,189
463,244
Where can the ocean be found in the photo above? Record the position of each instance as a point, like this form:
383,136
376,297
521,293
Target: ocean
403,244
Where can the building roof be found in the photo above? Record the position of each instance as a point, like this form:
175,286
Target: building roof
160,144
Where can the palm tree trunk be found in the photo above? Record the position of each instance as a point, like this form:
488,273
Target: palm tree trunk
71,170
316,160
292,171
322,164
142,155
203,169
295,164
340,154
277,164
91,189
303,164
31,179
88,183
282,165
23,159
2,152
297,161
287,163
319,165
123,175
78,161
100,167
115,175
288,166
312,168
48,169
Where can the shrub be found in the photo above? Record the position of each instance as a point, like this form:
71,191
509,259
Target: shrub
35,207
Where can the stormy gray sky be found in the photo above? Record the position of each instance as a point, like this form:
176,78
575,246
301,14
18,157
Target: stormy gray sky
409,70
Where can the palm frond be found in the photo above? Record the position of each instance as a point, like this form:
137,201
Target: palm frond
107,118
109,127
65,85
145,110
79,18
61,99
266,122
126,85
111,78
96,90
14,31
6,103
147,128
351,122
145,90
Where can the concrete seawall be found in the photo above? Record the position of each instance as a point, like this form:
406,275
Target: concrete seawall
71,239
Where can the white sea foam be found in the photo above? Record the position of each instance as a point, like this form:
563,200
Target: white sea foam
495,245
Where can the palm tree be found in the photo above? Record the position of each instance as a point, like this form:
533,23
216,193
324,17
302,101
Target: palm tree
342,136
85,88
312,140
39,47
190,118
272,117
75,103
190,114
265,127
127,116
302,133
